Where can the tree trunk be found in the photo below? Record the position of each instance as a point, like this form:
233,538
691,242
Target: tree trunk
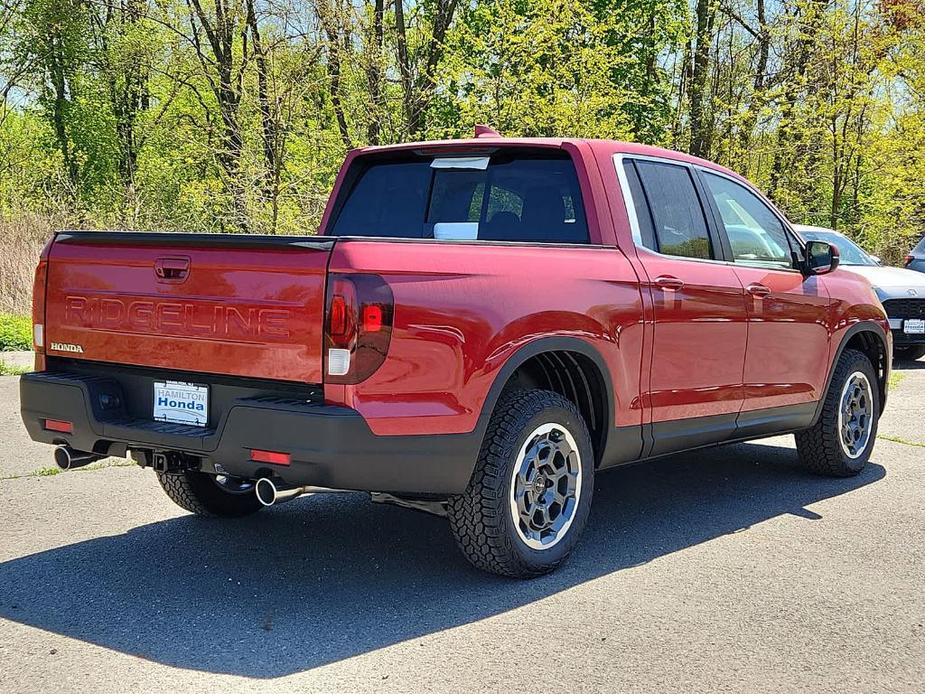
268,129
226,81
374,74
330,23
699,107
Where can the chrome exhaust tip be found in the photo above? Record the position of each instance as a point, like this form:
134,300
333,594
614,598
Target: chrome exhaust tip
66,458
266,491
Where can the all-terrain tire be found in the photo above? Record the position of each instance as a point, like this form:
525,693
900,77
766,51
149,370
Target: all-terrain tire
482,520
909,353
820,447
198,493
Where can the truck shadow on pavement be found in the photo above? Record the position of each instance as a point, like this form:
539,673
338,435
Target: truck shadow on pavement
322,579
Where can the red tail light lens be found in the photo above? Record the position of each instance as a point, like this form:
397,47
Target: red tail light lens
38,308
337,316
372,318
358,327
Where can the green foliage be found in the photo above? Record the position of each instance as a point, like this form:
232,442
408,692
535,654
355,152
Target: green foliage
15,333
7,370
230,115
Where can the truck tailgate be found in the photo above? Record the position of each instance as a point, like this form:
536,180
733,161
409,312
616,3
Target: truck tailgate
250,306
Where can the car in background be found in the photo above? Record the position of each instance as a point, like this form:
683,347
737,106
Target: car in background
916,258
902,291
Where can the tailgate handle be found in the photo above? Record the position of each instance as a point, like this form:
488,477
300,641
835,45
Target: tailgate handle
171,269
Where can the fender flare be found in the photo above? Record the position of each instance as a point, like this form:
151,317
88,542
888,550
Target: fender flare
864,326
539,346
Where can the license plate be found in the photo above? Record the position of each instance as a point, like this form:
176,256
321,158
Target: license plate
181,403
914,327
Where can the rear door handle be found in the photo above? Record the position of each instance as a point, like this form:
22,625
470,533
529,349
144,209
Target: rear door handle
756,289
669,283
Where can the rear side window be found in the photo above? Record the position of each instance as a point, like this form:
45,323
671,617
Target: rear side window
521,198
677,216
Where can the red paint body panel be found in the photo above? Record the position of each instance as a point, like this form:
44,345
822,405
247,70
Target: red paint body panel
243,312
788,338
699,338
853,301
463,310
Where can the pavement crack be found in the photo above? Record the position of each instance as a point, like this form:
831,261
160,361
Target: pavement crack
53,471
897,439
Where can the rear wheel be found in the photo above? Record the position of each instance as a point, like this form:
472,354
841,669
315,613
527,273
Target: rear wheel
909,353
841,441
210,495
530,494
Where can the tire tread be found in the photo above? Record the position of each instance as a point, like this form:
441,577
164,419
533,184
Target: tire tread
818,447
477,516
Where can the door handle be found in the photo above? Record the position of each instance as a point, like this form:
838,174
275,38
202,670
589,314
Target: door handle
171,269
668,283
759,290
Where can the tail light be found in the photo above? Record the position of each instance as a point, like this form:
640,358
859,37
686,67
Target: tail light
907,260
358,327
38,308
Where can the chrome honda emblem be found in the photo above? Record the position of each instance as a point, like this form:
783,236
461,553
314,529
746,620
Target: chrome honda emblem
912,292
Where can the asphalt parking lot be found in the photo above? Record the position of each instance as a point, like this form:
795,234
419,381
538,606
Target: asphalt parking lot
726,570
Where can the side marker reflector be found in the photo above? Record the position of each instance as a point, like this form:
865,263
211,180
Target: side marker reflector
58,425
272,457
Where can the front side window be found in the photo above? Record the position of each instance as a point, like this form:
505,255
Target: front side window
531,198
680,227
755,233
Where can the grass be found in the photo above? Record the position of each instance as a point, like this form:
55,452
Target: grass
896,377
21,239
52,471
15,333
7,370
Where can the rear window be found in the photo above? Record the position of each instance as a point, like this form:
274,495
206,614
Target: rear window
505,197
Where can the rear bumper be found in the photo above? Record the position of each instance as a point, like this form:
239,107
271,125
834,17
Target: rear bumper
330,446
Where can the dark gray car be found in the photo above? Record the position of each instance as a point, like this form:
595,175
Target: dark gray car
916,259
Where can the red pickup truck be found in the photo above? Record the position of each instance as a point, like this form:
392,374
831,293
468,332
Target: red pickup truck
479,327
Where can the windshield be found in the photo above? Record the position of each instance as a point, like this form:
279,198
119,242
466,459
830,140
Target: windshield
849,252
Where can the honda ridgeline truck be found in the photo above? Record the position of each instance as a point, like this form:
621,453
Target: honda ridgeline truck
478,329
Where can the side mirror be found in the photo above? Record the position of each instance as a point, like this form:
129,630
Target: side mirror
821,257
876,259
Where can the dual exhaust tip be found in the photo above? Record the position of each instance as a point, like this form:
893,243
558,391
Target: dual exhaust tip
67,458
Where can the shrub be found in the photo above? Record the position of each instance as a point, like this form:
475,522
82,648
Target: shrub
15,333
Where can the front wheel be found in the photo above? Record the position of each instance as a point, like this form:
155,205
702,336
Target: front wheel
840,443
210,495
530,494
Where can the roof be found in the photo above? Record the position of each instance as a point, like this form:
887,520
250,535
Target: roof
599,147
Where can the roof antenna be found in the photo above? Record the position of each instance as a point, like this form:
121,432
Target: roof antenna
485,131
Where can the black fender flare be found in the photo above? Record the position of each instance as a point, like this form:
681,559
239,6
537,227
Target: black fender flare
540,346
854,330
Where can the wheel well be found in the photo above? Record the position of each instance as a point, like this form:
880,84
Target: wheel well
869,343
575,377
